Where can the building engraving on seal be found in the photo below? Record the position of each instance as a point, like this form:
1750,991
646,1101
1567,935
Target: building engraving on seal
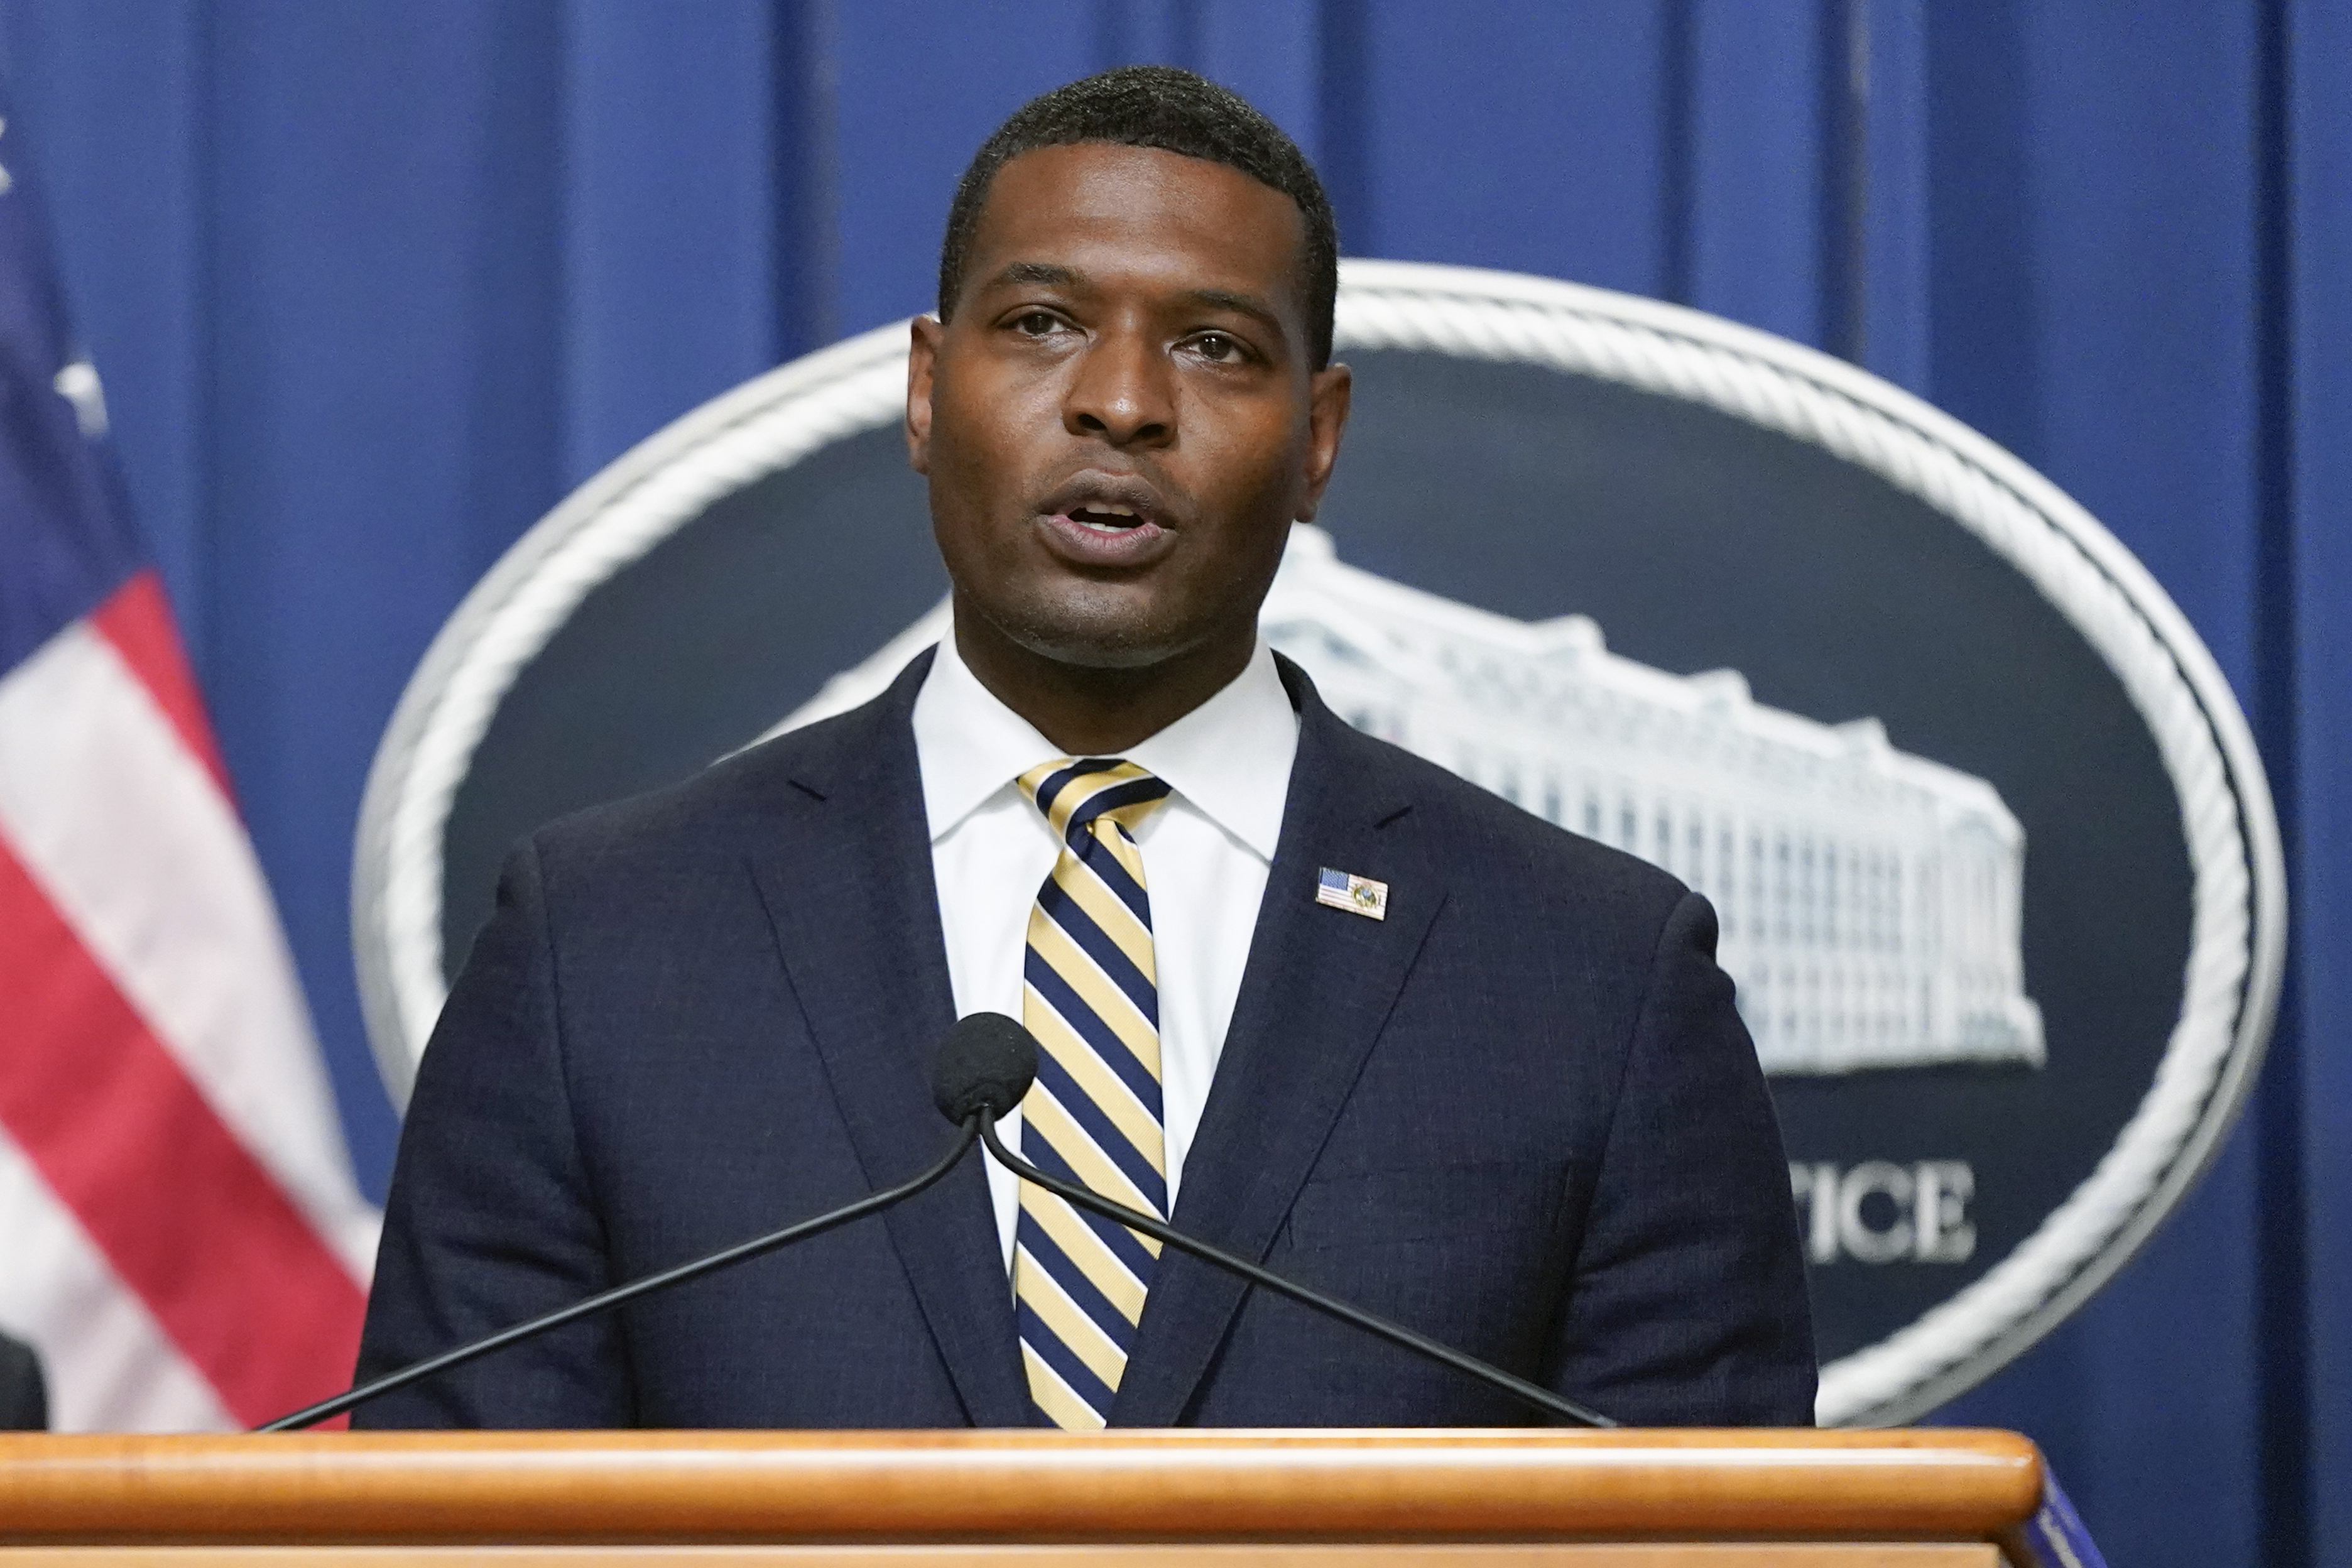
1869,900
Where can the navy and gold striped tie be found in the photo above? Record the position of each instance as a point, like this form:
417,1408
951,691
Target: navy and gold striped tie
1091,996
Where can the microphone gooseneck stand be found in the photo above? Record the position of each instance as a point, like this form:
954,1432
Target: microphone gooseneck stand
980,1070
620,1294
1526,1393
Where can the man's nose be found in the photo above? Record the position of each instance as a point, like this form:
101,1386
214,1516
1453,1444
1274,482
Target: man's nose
1121,392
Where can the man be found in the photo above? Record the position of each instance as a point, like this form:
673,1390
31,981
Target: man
1330,1007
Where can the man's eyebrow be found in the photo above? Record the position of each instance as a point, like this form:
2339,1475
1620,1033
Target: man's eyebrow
1248,305
1040,272
1052,275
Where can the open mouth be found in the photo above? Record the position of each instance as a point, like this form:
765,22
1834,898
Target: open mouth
1106,521
1104,518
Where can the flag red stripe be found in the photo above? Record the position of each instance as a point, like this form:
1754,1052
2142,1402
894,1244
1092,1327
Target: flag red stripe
137,620
184,1214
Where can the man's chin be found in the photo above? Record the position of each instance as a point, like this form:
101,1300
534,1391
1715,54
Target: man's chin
1093,637
1091,647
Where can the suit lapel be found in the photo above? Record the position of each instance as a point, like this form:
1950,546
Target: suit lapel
1319,984
845,874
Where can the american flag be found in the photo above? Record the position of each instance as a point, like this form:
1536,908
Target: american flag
1358,895
180,1234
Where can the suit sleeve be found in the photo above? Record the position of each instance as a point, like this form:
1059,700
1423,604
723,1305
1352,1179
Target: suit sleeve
491,1219
1687,1304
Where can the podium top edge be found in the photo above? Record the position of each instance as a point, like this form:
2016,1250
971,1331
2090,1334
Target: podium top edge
1812,1439
618,1487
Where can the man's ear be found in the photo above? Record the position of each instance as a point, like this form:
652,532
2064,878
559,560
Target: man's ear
1328,397
922,356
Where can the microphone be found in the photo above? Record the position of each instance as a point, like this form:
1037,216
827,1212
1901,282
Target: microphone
1015,1048
977,1074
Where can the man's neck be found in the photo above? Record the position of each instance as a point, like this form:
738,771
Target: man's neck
1092,710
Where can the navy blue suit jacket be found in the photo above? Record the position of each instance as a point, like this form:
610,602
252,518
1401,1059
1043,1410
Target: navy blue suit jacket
1519,1114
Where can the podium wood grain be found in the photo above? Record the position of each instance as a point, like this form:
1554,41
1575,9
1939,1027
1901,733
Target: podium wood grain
1231,1499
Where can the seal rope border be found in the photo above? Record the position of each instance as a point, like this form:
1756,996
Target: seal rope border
2239,902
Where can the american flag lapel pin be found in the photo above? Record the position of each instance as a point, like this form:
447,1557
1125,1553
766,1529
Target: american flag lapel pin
1357,895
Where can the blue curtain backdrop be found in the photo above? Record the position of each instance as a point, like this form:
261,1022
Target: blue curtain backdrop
372,286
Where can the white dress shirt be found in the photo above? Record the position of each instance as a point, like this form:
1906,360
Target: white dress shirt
1205,858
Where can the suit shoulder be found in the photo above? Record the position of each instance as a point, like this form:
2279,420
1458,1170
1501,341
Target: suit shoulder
1468,821
717,806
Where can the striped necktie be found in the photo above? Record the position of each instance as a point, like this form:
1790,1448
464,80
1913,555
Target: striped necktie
1091,996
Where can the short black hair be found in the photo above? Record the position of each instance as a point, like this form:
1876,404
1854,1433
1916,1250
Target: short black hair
1176,111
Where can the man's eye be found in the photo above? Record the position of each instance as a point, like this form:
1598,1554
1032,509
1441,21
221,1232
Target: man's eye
1035,323
1216,348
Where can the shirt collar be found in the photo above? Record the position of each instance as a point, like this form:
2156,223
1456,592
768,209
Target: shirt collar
1229,757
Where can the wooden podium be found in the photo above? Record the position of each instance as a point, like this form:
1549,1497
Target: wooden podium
1475,1499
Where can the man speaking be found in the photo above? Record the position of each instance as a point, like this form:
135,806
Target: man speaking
1320,1002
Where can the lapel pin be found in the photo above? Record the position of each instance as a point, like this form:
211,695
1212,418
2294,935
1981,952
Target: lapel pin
1357,895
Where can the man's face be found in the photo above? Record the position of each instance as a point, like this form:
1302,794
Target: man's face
1120,421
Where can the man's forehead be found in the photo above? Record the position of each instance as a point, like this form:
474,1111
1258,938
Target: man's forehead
1069,215
1092,167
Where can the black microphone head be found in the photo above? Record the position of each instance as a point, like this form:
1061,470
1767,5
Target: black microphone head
986,1062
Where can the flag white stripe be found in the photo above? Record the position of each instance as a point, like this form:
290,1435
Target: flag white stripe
111,1366
133,844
